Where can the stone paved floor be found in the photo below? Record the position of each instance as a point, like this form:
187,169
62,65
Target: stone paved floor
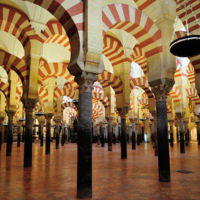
54,176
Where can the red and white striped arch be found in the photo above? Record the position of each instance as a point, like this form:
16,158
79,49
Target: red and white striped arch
195,60
97,108
191,75
138,56
133,21
69,18
192,23
43,95
71,112
102,98
64,92
108,79
68,104
143,4
175,94
97,89
9,61
143,83
94,114
4,87
113,50
192,93
169,109
16,23
143,102
55,70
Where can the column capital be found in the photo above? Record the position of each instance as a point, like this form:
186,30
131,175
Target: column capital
29,104
109,119
160,92
10,114
85,82
180,115
48,116
171,122
123,112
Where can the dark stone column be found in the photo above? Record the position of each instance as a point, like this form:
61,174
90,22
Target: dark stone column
171,133
160,92
29,106
63,134
133,134
186,131
1,130
109,126
181,127
57,132
9,133
101,135
84,168
122,113
48,132
138,133
198,129
41,123
154,114
19,133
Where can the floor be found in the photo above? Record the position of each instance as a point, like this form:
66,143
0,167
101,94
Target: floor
54,176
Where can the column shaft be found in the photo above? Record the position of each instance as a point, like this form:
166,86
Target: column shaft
84,173
28,138
123,139
18,136
182,142
133,136
48,133
163,143
9,134
110,134
1,131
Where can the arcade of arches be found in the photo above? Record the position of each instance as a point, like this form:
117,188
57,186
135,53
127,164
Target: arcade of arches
104,63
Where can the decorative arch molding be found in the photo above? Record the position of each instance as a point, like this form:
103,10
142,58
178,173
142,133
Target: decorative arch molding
108,79
175,94
62,14
143,83
11,62
192,93
4,87
135,22
102,98
55,70
64,92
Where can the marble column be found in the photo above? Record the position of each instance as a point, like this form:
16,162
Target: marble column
29,106
57,131
171,122
186,121
109,126
101,129
133,134
84,164
63,134
48,118
138,133
9,133
160,92
1,130
154,114
123,112
181,127
19,133
41,124
198,129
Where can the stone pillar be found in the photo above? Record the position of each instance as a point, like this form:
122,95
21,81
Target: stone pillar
181,127
101,134
154,114
186,131
63,134
57,131
198,129
19,133
127,133
29,106
122,113
41,123
133,134
84,168
138,133
171,133
109,126
48,132
1,130
9,133
160,92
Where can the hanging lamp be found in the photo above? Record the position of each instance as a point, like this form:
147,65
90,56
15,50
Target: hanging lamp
188,45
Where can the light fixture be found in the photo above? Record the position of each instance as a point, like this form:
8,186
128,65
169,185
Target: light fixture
188,45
